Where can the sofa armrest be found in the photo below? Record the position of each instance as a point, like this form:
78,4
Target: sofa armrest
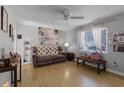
35,60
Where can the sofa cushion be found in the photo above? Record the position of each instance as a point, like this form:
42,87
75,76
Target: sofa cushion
50,57
44,58
58,57
47,50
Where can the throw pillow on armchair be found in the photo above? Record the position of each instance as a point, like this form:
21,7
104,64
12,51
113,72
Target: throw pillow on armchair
95,56
86,56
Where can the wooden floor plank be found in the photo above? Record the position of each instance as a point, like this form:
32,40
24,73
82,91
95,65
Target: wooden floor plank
67,74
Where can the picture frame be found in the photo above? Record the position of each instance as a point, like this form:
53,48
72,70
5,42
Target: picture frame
121,47
121,37
115,37
4,19
115,47
11,32
19,36
118,42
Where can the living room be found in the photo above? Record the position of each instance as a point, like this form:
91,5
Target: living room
76,33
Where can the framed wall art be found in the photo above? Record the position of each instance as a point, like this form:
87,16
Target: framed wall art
10,30
19,36
118,42
47,36
11,33
4,19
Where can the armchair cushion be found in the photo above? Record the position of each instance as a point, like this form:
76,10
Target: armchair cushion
95,56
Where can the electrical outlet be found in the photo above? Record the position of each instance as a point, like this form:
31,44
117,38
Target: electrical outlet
114,63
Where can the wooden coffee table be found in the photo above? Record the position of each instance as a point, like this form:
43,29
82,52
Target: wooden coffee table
98,62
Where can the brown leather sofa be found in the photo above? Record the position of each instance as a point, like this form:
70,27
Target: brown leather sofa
48,59
43,60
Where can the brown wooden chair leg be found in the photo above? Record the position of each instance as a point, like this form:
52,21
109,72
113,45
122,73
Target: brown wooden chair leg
20,72
11,77
104,66
83,62
98,68
77,61
15,77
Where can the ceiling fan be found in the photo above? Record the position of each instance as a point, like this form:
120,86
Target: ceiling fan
66,15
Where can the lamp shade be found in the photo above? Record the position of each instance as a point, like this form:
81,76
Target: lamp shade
66,44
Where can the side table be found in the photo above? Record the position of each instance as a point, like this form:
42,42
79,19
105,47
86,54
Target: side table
10,68
70,56
13,70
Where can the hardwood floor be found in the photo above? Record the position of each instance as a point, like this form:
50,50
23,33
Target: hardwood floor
67,74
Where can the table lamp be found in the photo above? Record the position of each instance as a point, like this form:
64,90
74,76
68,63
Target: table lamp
66,44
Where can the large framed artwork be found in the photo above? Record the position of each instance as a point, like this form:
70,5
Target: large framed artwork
48,36
4,19
118,42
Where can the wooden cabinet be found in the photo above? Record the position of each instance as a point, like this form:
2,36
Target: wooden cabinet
70,56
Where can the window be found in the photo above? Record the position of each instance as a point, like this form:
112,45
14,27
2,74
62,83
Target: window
104,40
94,40
88,42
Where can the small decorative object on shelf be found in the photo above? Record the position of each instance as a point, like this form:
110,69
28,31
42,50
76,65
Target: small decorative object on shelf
5,83
14,59
70,56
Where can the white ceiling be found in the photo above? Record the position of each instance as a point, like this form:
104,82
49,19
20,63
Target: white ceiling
48,16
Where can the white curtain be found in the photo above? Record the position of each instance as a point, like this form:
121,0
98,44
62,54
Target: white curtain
79,40
97,37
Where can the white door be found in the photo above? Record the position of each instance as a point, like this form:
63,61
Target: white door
26,50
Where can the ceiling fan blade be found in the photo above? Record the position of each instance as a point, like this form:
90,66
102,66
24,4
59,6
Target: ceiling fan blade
76,17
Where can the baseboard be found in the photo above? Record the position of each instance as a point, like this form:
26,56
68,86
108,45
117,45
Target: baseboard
110,70
115,72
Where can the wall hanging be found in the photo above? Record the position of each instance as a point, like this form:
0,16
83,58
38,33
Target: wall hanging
11,32
4,19
48,36
118,42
